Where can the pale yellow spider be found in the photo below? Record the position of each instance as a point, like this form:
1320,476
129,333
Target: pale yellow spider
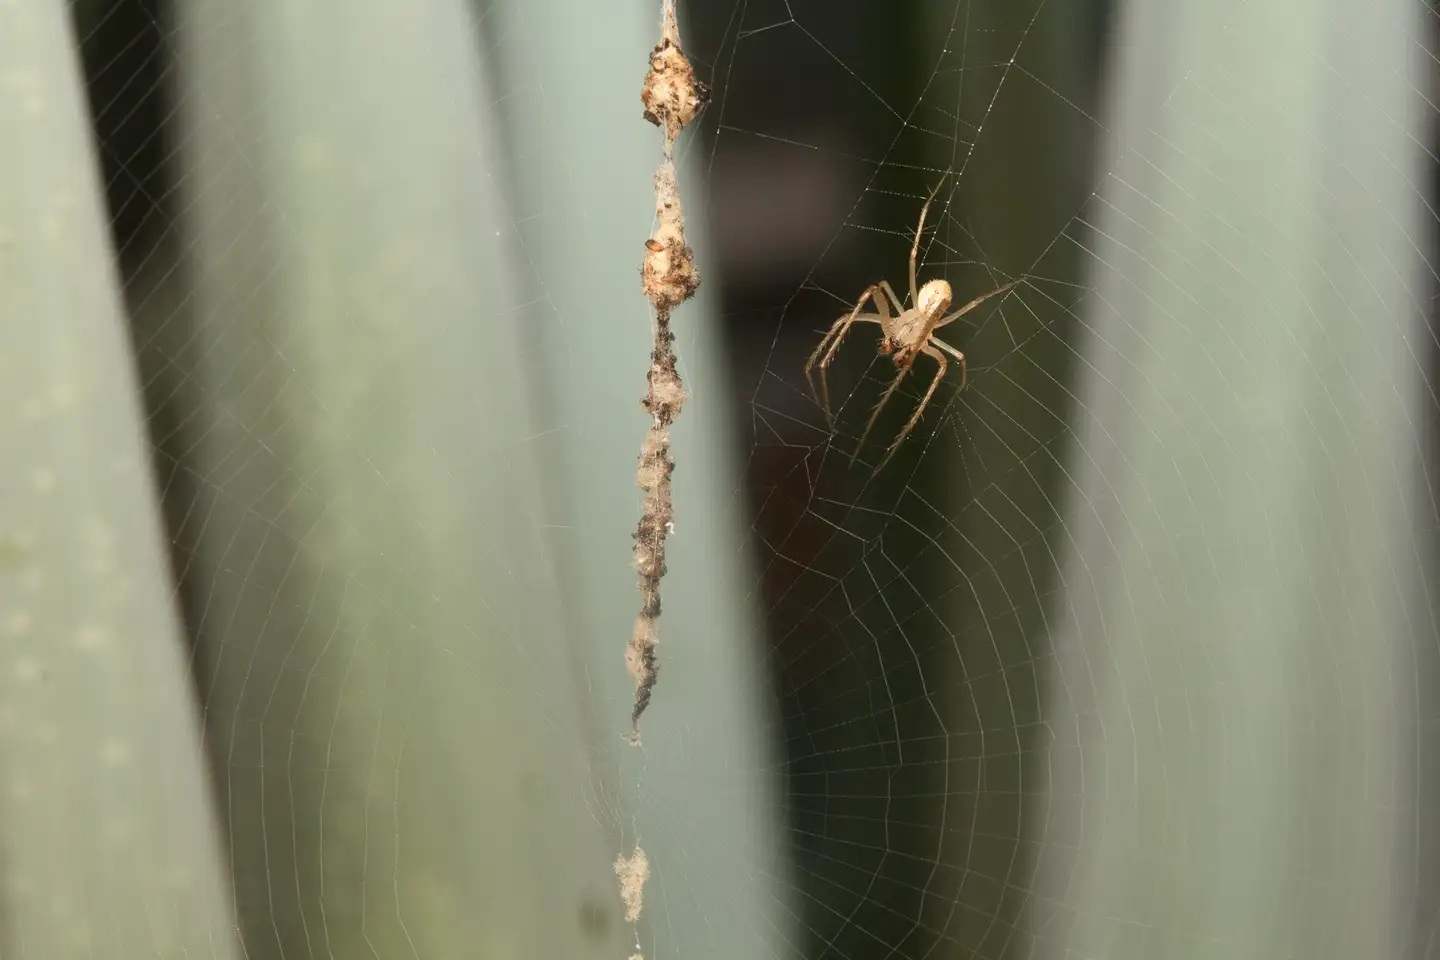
906,336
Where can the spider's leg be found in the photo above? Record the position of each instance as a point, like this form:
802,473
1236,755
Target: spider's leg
915,417
832,340
881,316
824,396
964,367
915,247
975,303
890,291
904,366
876,415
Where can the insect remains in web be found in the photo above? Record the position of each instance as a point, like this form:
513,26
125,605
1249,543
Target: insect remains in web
904,335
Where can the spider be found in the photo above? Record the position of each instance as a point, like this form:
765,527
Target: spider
904,336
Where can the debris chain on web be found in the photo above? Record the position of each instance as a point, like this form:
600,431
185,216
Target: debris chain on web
672,97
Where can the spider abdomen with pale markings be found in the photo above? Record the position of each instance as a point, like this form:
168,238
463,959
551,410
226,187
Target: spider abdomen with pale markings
904,335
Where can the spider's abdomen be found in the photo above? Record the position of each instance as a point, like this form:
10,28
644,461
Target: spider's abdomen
934,298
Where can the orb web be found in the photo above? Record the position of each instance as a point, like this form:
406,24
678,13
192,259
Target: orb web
954,719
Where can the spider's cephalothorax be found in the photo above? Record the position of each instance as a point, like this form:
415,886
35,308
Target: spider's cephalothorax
903,335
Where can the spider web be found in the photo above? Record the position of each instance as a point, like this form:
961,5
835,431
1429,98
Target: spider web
901,714
957,725
910,675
